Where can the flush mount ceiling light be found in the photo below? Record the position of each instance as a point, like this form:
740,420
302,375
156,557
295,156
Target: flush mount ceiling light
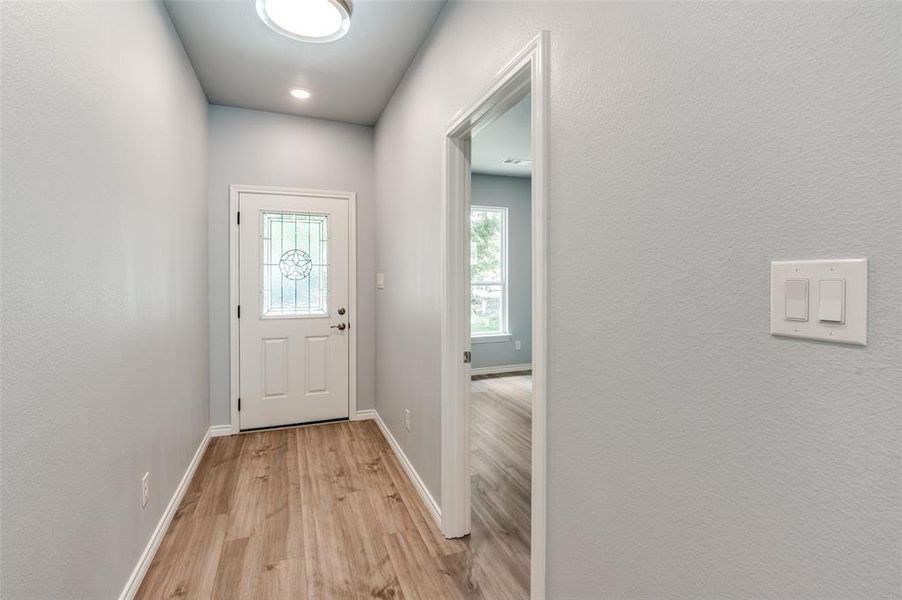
307,20
300,93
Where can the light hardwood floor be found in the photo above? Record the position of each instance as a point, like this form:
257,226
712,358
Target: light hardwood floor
500,433
327,512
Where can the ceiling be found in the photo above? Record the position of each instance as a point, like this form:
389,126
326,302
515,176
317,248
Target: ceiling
508,136
242,62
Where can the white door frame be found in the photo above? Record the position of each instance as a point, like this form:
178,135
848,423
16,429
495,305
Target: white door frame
526,73
351,198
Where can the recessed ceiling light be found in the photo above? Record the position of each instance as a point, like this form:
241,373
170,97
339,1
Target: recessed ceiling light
300,94
307,20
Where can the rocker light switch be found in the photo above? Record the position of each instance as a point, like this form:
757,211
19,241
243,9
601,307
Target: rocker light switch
832,301
796,304
824,300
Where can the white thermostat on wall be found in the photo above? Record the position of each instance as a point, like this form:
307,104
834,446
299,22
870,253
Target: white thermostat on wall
820,299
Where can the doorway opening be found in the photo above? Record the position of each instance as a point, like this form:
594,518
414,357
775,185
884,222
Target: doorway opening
494,331
500,345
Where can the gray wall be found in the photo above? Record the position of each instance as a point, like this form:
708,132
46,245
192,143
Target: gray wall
691,454
513,193
262,148
104,291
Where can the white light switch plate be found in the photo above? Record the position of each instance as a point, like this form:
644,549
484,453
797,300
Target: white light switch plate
854,275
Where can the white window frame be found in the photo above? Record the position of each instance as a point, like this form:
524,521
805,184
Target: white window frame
505,333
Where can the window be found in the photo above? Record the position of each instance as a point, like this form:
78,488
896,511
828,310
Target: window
488,271
294,264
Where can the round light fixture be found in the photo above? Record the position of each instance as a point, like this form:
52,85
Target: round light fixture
300,93
307,20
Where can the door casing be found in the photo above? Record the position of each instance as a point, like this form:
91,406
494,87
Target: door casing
235,191
526,73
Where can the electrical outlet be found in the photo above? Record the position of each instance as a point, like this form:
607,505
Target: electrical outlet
407,419
518,345
145,489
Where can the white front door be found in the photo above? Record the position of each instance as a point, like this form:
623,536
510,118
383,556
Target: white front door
293,308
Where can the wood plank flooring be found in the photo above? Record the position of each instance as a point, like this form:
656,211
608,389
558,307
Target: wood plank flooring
327,512
500,434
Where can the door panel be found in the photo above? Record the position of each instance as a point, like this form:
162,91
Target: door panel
293,279
275,367
317,364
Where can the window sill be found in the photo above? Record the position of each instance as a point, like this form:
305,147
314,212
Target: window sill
491,339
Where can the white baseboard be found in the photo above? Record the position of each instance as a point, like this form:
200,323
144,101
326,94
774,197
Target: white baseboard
412,474
364,415
220,430
500,369
137,576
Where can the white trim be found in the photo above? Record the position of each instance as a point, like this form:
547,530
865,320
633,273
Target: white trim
234,346
364,415
137,576
234,191
412,474
500,369
526,73
540,291
220,430
491,338
353,322
455,391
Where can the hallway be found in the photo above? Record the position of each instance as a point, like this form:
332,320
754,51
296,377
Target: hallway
254,254
324,511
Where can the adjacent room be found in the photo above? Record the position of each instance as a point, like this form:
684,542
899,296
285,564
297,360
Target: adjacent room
500,249
450,299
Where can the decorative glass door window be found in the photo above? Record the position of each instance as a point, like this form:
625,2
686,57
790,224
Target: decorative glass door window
294,264
488,271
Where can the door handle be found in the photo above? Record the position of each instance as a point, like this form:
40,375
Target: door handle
340,327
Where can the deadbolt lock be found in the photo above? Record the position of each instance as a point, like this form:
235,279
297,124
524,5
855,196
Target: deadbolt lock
341,311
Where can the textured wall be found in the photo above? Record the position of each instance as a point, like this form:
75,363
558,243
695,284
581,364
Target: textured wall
691,454
104,291
262,148
513,193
